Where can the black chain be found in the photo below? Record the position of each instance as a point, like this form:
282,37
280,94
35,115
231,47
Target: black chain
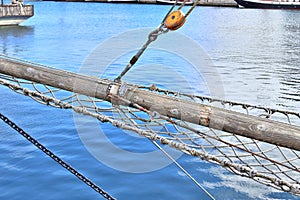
56,158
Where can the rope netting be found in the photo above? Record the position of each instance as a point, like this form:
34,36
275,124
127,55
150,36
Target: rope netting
266,163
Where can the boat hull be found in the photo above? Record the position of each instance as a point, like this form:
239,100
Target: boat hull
10,21
269,4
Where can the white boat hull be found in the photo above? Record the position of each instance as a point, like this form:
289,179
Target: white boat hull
11,21
270,4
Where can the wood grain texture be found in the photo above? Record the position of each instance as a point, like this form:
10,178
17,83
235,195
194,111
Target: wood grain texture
262,129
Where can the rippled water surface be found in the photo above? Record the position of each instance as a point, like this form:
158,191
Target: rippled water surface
244,55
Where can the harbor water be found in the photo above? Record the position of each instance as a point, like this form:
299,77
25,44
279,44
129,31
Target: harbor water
252,55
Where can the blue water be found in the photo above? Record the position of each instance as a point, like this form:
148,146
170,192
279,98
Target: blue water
254,53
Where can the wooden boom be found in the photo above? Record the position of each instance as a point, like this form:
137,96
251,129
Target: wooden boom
262,129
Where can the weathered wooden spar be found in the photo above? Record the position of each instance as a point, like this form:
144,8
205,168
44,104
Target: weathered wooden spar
273,132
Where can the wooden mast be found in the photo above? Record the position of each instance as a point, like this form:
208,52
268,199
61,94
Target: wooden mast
262,129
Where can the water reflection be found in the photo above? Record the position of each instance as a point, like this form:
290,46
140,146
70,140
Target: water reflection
11,36
289,71
256,52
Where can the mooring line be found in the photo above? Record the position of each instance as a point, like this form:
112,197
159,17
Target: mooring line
56,158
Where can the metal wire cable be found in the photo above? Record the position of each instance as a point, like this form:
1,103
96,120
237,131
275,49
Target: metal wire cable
184,171
152,37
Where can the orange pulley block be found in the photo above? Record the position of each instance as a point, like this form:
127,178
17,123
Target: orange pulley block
175,20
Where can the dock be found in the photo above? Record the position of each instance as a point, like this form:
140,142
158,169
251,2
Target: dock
13,14
212,3
218,3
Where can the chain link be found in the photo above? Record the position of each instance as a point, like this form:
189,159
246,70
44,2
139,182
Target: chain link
56,158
